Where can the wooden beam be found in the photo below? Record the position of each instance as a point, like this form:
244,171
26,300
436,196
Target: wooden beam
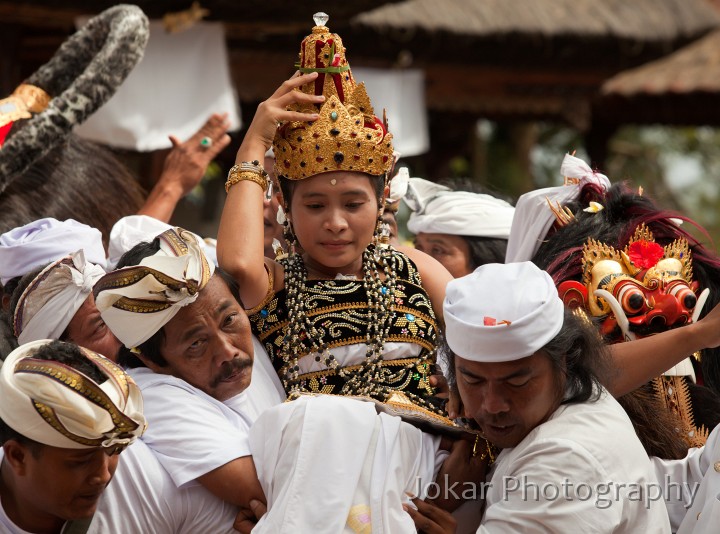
39,16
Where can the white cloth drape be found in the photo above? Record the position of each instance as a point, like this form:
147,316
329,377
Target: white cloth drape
182,79
330,464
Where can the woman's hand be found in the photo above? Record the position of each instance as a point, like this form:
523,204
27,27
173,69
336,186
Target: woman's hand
272,111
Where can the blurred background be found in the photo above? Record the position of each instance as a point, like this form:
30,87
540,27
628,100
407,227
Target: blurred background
493,90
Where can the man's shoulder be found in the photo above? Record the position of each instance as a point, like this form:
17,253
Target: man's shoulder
148,380
581,421
598,431
161,391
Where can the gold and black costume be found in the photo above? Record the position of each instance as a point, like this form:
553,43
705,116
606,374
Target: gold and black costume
338,309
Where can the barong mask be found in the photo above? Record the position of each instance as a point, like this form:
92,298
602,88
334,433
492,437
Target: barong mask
347,136
641,290
605,260
57,405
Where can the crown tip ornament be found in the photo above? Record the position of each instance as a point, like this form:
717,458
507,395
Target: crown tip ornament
347,136
320,18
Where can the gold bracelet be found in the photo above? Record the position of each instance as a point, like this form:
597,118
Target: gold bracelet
237,175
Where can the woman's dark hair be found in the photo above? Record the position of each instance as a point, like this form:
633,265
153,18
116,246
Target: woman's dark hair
577,353
151,349
287,187
485,250
77,180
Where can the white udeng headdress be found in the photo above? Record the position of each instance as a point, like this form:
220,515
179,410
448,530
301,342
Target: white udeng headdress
440,210
533,216
40,242
51,300
136,302
57,405
501,312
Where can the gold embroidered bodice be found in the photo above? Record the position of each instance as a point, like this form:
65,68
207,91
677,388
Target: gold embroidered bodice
338,310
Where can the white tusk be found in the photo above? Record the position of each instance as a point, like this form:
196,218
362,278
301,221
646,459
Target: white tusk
700,304
620,316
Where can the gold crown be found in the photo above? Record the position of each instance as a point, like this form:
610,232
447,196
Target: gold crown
346,136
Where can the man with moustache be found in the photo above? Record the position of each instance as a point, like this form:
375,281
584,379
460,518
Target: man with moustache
59,299
529,373
188,343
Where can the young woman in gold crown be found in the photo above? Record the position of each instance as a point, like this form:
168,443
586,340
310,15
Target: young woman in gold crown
342,313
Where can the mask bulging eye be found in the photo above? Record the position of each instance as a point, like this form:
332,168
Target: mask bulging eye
684,295
631,299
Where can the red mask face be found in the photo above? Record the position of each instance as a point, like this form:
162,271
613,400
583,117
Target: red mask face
640,291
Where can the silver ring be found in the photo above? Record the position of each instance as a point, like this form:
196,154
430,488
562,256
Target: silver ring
206,142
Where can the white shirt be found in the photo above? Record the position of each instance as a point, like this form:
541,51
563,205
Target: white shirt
579,460
143,498
193,433
693,488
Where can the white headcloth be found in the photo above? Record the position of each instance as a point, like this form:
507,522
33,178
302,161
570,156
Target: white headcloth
533,216
439,210
50,301
40,242
501,312
134,229
136,302
57,405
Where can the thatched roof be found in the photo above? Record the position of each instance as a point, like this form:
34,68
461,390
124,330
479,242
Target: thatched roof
682,88
616,33
50,13
694,68
641,20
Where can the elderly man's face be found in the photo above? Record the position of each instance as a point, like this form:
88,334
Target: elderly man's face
88,330
208,343
509,399
63,484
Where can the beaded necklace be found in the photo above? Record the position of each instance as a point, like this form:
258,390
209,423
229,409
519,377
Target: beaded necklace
304,338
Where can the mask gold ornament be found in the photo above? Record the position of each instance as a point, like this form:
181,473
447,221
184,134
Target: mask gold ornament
642,290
